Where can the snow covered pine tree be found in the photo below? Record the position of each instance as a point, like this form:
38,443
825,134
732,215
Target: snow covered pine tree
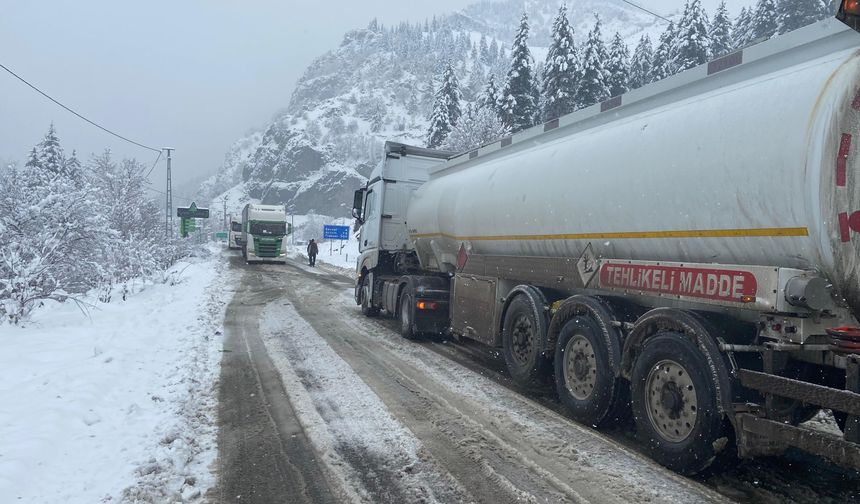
693,42
561,70
594,79
720,32
794,14
640,63
446,108
517,106
763,23
618,66
663,64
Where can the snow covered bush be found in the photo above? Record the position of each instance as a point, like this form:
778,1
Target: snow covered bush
478,126
66,229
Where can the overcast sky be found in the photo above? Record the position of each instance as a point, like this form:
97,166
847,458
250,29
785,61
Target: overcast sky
189,74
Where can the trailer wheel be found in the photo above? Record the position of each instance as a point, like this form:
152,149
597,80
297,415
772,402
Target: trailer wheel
366,308
675,403
407,320
584,379
524,337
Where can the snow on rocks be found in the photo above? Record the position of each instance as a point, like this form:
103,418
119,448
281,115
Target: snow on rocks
118,405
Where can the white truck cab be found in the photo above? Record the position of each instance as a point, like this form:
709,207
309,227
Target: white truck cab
380,206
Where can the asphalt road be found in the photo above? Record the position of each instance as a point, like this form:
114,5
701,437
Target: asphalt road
481,439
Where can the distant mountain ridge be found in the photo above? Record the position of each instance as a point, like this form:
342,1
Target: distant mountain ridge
377,86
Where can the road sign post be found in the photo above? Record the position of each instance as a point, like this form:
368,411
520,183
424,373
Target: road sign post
188,215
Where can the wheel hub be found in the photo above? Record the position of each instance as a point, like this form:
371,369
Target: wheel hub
672,401
580,367
522,338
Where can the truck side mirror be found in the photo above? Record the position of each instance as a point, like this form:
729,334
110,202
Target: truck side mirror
358,204
849,13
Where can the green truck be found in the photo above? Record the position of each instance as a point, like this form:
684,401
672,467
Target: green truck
264,229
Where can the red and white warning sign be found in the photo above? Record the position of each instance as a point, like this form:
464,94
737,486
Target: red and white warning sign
715,284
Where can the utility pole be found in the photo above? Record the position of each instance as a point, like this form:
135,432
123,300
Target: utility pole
168,218
227,223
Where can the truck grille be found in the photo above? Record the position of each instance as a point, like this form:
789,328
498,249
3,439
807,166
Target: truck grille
267,247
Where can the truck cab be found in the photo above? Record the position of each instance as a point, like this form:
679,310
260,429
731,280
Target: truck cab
380,208
234,237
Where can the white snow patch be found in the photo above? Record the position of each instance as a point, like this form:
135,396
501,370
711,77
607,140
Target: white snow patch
120,405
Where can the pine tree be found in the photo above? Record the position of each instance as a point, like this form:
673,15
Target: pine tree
446,108
618,66
50,153
794,14
742,33
484,51
517,106
490,95
663,64
72,166
594,79
693,42
476,80
32,159
493,55
763,22
560,70
640,63
720,32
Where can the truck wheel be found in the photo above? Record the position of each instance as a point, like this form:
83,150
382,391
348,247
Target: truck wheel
407,322
675,405
584,380
366,308
524,338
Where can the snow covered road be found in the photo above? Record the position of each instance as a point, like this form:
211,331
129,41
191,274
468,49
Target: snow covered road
361,415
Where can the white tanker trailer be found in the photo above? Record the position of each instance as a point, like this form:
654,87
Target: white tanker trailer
688,252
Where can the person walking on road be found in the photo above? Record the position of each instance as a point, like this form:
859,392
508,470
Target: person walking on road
313,250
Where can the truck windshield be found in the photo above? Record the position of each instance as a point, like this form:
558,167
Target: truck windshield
236,226
268,228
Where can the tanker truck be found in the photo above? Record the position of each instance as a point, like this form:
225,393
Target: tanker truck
686,254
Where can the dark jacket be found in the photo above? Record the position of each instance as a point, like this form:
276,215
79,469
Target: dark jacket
312,248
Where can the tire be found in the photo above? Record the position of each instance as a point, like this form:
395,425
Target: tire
366,309
585,381
675,404
524,338
407,320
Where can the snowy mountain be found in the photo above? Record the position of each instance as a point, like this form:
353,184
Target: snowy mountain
377,86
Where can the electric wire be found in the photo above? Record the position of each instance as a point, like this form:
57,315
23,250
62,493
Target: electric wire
153,166
77,114
648,11
175,196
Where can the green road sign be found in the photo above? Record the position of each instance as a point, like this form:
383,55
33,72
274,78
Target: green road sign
192,212
187,226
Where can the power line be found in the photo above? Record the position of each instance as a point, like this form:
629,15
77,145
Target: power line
182,197
153,166
77,114
648,11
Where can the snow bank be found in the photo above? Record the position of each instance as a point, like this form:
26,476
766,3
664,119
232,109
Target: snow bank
119,405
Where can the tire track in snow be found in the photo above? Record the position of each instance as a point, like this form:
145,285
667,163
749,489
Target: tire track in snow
548,457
